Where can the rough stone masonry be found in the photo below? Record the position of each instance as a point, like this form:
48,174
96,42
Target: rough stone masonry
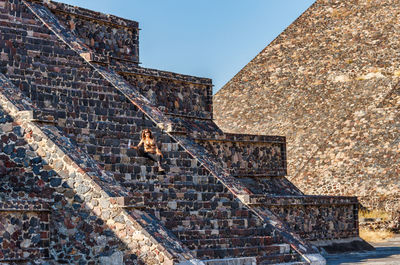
330,84
72,96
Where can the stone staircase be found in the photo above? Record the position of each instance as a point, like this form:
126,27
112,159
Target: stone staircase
215,217
207,218
59,188
191,203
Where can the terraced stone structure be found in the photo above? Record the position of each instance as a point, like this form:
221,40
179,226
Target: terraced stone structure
330,84
72,95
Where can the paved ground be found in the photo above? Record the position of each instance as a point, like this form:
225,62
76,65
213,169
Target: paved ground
387,253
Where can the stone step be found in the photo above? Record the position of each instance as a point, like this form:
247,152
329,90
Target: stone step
106,135
24,14
118,119
187,205
190,181
45,48
52,88
83,76
53,91
171,194
231,261
224,233
60,69
175,162
92,91
171,215
271,259
116,155
45,55
149,197
90,101
144,168
212,223
93,88
282,259
180,187
31,30
182,179
181,182
7,24
77,116
232,242
210,253
120,172
121,128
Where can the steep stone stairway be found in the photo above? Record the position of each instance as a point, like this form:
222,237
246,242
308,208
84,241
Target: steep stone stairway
200,210
207,218
52,171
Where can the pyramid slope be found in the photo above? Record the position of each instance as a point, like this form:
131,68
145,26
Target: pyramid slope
222,196
334,68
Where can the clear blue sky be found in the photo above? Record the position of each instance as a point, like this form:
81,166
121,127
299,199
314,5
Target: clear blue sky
206,38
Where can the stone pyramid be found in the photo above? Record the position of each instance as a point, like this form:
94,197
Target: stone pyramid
72,96
330,84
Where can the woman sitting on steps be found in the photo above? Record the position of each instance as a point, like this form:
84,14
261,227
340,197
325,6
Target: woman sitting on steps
151,150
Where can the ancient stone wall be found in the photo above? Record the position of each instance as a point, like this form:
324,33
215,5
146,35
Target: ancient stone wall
24,230
107,35
362,158
100,119
68,200
29,197
329,84
16,154
179,96
247,155
314,218
26,188
118,39
110,205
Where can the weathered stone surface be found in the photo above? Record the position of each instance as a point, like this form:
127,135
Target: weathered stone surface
176,96
329,83
116,258
24,229
107,35
68,217
110,204
245,155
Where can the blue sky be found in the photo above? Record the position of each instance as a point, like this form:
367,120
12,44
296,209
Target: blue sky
206,38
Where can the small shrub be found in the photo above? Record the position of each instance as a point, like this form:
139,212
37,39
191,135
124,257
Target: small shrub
375,236
374,214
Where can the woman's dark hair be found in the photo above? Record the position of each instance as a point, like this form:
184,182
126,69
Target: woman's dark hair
143,134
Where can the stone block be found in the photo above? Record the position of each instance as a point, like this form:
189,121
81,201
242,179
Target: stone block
117,258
